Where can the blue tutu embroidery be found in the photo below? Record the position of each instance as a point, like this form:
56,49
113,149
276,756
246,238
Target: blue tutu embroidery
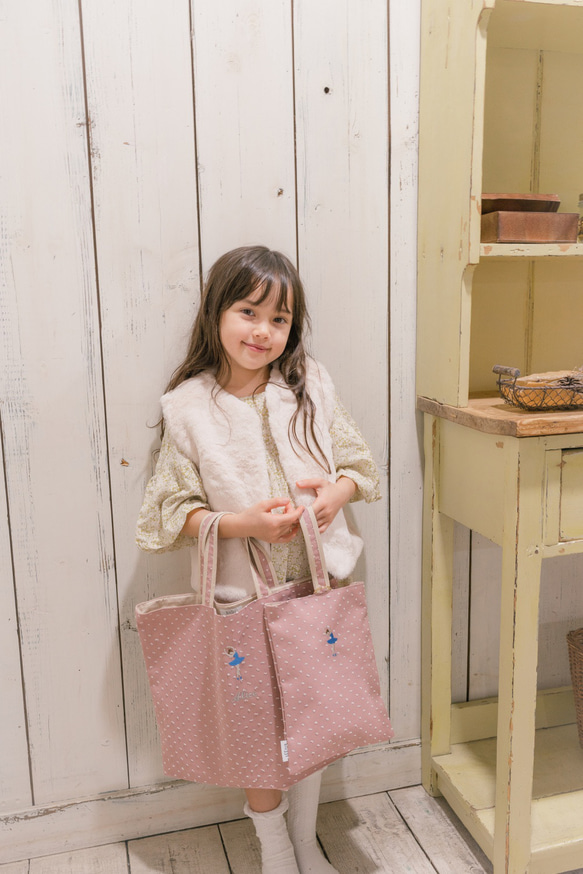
332,641
236,661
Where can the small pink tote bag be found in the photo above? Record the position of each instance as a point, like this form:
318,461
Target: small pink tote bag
248,699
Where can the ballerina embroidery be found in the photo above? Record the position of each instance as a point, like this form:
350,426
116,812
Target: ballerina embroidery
332,641
236,661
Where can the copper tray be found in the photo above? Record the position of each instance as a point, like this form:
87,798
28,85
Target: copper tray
520,203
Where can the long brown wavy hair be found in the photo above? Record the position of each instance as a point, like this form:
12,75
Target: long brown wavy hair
235,276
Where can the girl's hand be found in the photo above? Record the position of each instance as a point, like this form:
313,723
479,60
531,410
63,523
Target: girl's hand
330,498
258,521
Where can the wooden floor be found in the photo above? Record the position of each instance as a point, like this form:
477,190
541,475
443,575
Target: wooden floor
401,832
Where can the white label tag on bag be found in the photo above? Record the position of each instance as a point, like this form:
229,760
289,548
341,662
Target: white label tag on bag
284,755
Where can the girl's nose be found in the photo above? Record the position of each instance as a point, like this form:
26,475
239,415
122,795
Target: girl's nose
261,330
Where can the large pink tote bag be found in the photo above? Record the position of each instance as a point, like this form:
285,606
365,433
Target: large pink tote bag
214,682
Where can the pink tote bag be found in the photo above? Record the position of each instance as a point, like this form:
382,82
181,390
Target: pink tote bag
214,683
325,666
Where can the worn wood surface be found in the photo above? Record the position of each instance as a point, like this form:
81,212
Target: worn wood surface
493,416
529,227
186,851
401,832
105,860
406,475
342,164
241,846
512,251
54,430
16,867
453,49
450,849
525,303
159,147
148,268
15,788
368,834
244,89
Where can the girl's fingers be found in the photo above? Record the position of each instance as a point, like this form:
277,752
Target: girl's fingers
314,483
274,503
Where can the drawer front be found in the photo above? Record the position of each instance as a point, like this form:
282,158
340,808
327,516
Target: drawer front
571,496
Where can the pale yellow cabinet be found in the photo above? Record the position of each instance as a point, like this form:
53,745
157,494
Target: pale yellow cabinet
501,109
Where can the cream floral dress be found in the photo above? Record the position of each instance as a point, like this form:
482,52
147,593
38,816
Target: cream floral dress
176,489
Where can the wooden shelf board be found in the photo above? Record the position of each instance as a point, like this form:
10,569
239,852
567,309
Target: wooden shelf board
504,251
467,779
492,415
477,719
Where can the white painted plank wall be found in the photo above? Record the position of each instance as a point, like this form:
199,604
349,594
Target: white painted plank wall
139,87
342,137
15,790
406,437
245,125
52,413
205,122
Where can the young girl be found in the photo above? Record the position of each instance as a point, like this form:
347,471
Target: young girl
252,426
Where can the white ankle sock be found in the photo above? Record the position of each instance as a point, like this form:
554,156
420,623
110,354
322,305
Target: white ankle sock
277,853
301,823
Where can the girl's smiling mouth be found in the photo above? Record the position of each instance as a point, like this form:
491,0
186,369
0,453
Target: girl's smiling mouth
255,348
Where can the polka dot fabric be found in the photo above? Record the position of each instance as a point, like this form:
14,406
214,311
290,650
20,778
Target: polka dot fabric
327,676
216,690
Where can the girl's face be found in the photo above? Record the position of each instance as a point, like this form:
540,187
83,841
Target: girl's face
254,335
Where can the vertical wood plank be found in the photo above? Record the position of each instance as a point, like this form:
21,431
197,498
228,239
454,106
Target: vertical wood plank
405,468
561,610
484,618
453,50
15,790
243,76
509,120
52,412
500,321
139,85
460,612
557,306
342,157
560,156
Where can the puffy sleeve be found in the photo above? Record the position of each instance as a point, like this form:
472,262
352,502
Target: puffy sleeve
352,456
174,490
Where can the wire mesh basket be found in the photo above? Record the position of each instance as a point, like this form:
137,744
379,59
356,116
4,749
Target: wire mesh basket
556,392
575,643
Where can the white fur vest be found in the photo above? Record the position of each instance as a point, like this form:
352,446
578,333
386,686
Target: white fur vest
222,436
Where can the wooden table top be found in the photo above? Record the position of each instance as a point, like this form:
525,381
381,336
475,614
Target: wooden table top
492,415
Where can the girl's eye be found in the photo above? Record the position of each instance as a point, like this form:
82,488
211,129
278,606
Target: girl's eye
281,320
246,311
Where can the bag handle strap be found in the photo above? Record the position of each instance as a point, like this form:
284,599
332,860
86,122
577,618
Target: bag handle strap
315,552
260,564
261,568
207,549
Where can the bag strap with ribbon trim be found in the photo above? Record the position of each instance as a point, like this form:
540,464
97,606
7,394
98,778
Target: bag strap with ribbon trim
262,570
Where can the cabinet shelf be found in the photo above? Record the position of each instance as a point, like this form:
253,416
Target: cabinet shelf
467,778
502,251
489,414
